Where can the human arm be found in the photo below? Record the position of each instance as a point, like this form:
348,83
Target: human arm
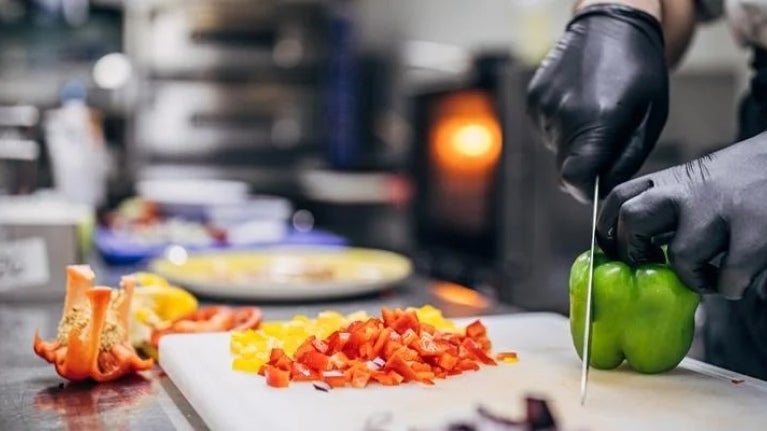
600,98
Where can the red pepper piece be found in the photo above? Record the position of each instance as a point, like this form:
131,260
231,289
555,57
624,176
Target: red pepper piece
212,318
276,377
316,361
476,330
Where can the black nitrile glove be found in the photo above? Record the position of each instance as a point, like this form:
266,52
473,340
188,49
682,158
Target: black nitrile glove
600,98
712,207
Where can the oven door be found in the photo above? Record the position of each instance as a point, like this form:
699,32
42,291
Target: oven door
473,211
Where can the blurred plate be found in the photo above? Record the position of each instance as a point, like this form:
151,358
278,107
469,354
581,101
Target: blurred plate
193,192
286,273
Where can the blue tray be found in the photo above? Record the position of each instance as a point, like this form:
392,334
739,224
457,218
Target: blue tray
117,250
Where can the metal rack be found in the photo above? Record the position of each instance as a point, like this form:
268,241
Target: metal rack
228,88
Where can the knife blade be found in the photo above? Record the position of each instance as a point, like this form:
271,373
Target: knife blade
587,321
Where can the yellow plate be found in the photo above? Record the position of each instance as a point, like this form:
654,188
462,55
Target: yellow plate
285,273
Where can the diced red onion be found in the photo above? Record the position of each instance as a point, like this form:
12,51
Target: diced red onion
321,386
495,418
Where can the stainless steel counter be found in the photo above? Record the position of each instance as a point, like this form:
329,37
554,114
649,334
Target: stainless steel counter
34,397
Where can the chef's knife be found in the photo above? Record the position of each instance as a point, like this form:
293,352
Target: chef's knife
587,321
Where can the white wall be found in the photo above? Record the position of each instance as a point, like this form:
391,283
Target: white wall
464,23
527,26
714,48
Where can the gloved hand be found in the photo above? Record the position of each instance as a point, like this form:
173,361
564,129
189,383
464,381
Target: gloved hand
600,98
712,207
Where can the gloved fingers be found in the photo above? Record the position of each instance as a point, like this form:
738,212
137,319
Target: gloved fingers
742,263
544,100
696,242
642,218
759,284
608,216
632,156
583,159
535,110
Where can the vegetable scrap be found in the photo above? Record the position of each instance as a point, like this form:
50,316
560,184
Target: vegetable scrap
538,417
92,340
156,303
159,308
508,357
211,318
394,349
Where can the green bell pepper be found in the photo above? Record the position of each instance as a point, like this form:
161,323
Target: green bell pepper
644,315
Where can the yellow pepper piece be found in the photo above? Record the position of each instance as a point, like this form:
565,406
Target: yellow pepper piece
433,316
149,279
168,303
155,302
247,365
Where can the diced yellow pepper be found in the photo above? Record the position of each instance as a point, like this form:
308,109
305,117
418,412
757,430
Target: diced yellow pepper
247,365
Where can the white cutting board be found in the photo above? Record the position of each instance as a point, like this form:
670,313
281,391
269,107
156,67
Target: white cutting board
695,396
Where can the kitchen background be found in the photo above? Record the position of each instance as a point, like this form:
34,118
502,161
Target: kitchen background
394,124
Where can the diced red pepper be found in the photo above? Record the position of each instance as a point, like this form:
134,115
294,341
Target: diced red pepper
390,348
466,365
410,338
305,347
388,316
477,352
356,341
360,377
279,359
398,364
439,372
337,340
448,362
475,330
316,361
407,320
302,373
394,349
381,341
338,360
425,377
427,346
396,376
429,329
484,343
320,345
276,377
335,381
